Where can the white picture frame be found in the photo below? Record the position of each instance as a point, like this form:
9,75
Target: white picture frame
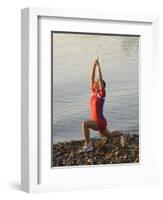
36,172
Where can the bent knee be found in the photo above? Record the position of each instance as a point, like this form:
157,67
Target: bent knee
84,124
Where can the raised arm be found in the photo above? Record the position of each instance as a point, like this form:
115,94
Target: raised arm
93,71
100,75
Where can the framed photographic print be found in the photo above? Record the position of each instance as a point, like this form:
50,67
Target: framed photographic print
89,90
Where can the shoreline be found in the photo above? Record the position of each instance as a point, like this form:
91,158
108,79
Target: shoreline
115,150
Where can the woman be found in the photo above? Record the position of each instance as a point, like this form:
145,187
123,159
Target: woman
98,121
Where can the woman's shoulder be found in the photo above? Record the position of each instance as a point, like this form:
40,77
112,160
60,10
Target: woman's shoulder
102,92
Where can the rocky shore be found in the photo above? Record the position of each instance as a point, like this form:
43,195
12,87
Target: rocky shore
115,150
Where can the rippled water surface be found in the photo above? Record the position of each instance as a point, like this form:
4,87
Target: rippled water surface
72,61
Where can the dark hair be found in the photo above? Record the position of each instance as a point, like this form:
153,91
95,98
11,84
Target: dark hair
104,83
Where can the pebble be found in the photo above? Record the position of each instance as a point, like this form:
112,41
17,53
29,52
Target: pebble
116,150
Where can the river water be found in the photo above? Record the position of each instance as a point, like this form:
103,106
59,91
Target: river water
72,61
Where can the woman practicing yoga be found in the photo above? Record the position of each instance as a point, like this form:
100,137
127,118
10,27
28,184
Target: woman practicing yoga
98,121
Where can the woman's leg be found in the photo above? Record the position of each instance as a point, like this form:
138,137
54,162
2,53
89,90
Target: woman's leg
86,125
107,133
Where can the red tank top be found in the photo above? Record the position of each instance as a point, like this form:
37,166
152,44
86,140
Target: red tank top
96,104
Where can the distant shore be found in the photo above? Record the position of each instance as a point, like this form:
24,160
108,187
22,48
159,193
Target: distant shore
116,150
